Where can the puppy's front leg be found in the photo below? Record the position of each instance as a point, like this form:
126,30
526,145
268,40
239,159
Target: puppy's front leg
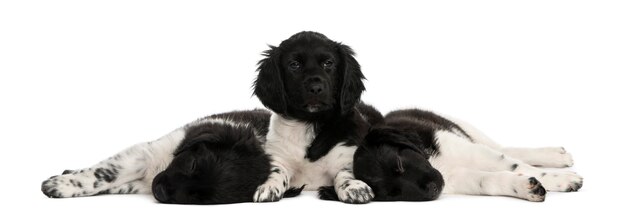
277,183
349,190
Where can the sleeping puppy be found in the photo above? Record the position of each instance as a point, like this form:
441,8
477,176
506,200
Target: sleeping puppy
468,160
216,159
472,163
395,167
215,164
313,86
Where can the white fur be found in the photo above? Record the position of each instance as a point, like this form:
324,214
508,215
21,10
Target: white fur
286,143
555,157
475,168
500,183
137,166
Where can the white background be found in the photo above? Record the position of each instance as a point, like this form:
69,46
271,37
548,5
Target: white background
82,80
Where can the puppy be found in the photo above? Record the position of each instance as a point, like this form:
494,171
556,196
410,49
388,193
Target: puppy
472,163
216,159
313,86
396,168
214,164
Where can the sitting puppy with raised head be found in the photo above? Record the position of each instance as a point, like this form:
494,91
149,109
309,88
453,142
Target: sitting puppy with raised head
313,85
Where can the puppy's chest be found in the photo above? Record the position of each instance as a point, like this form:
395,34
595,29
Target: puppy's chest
287,143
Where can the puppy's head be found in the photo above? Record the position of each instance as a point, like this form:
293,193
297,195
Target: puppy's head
309,75
213,167
395,169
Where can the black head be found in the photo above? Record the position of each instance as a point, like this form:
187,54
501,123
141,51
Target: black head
213,167
395,169
309,76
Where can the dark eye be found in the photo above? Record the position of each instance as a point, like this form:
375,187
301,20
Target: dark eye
328,63
294,65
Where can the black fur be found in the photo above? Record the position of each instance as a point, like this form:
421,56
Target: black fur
423,121
258,118
408,137
394,167
393,158
217,163
313,79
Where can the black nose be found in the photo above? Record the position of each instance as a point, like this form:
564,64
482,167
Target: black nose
316,88
160,194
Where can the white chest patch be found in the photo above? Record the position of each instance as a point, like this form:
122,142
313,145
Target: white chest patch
287,143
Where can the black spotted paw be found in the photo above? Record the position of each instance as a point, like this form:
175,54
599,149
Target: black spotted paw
562,181
532,190
63,186
269,192
355,192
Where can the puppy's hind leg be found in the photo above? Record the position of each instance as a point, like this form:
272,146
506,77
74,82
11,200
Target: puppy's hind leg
553,157
503,183
142,161
455,151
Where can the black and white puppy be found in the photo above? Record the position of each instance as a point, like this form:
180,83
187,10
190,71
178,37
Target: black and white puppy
470,162
313,86
214,164
216,159
395,166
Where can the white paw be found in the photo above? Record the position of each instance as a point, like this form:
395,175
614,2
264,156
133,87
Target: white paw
530,189
63,186
269,192
564,181
556,157
354,192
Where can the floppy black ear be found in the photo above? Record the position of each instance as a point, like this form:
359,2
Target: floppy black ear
268,86
247,142
352,80
194,140
389,136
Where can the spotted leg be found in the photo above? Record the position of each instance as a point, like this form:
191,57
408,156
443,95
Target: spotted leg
131,170
133,187
503,183
553,157
349,190
275,186
458,152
